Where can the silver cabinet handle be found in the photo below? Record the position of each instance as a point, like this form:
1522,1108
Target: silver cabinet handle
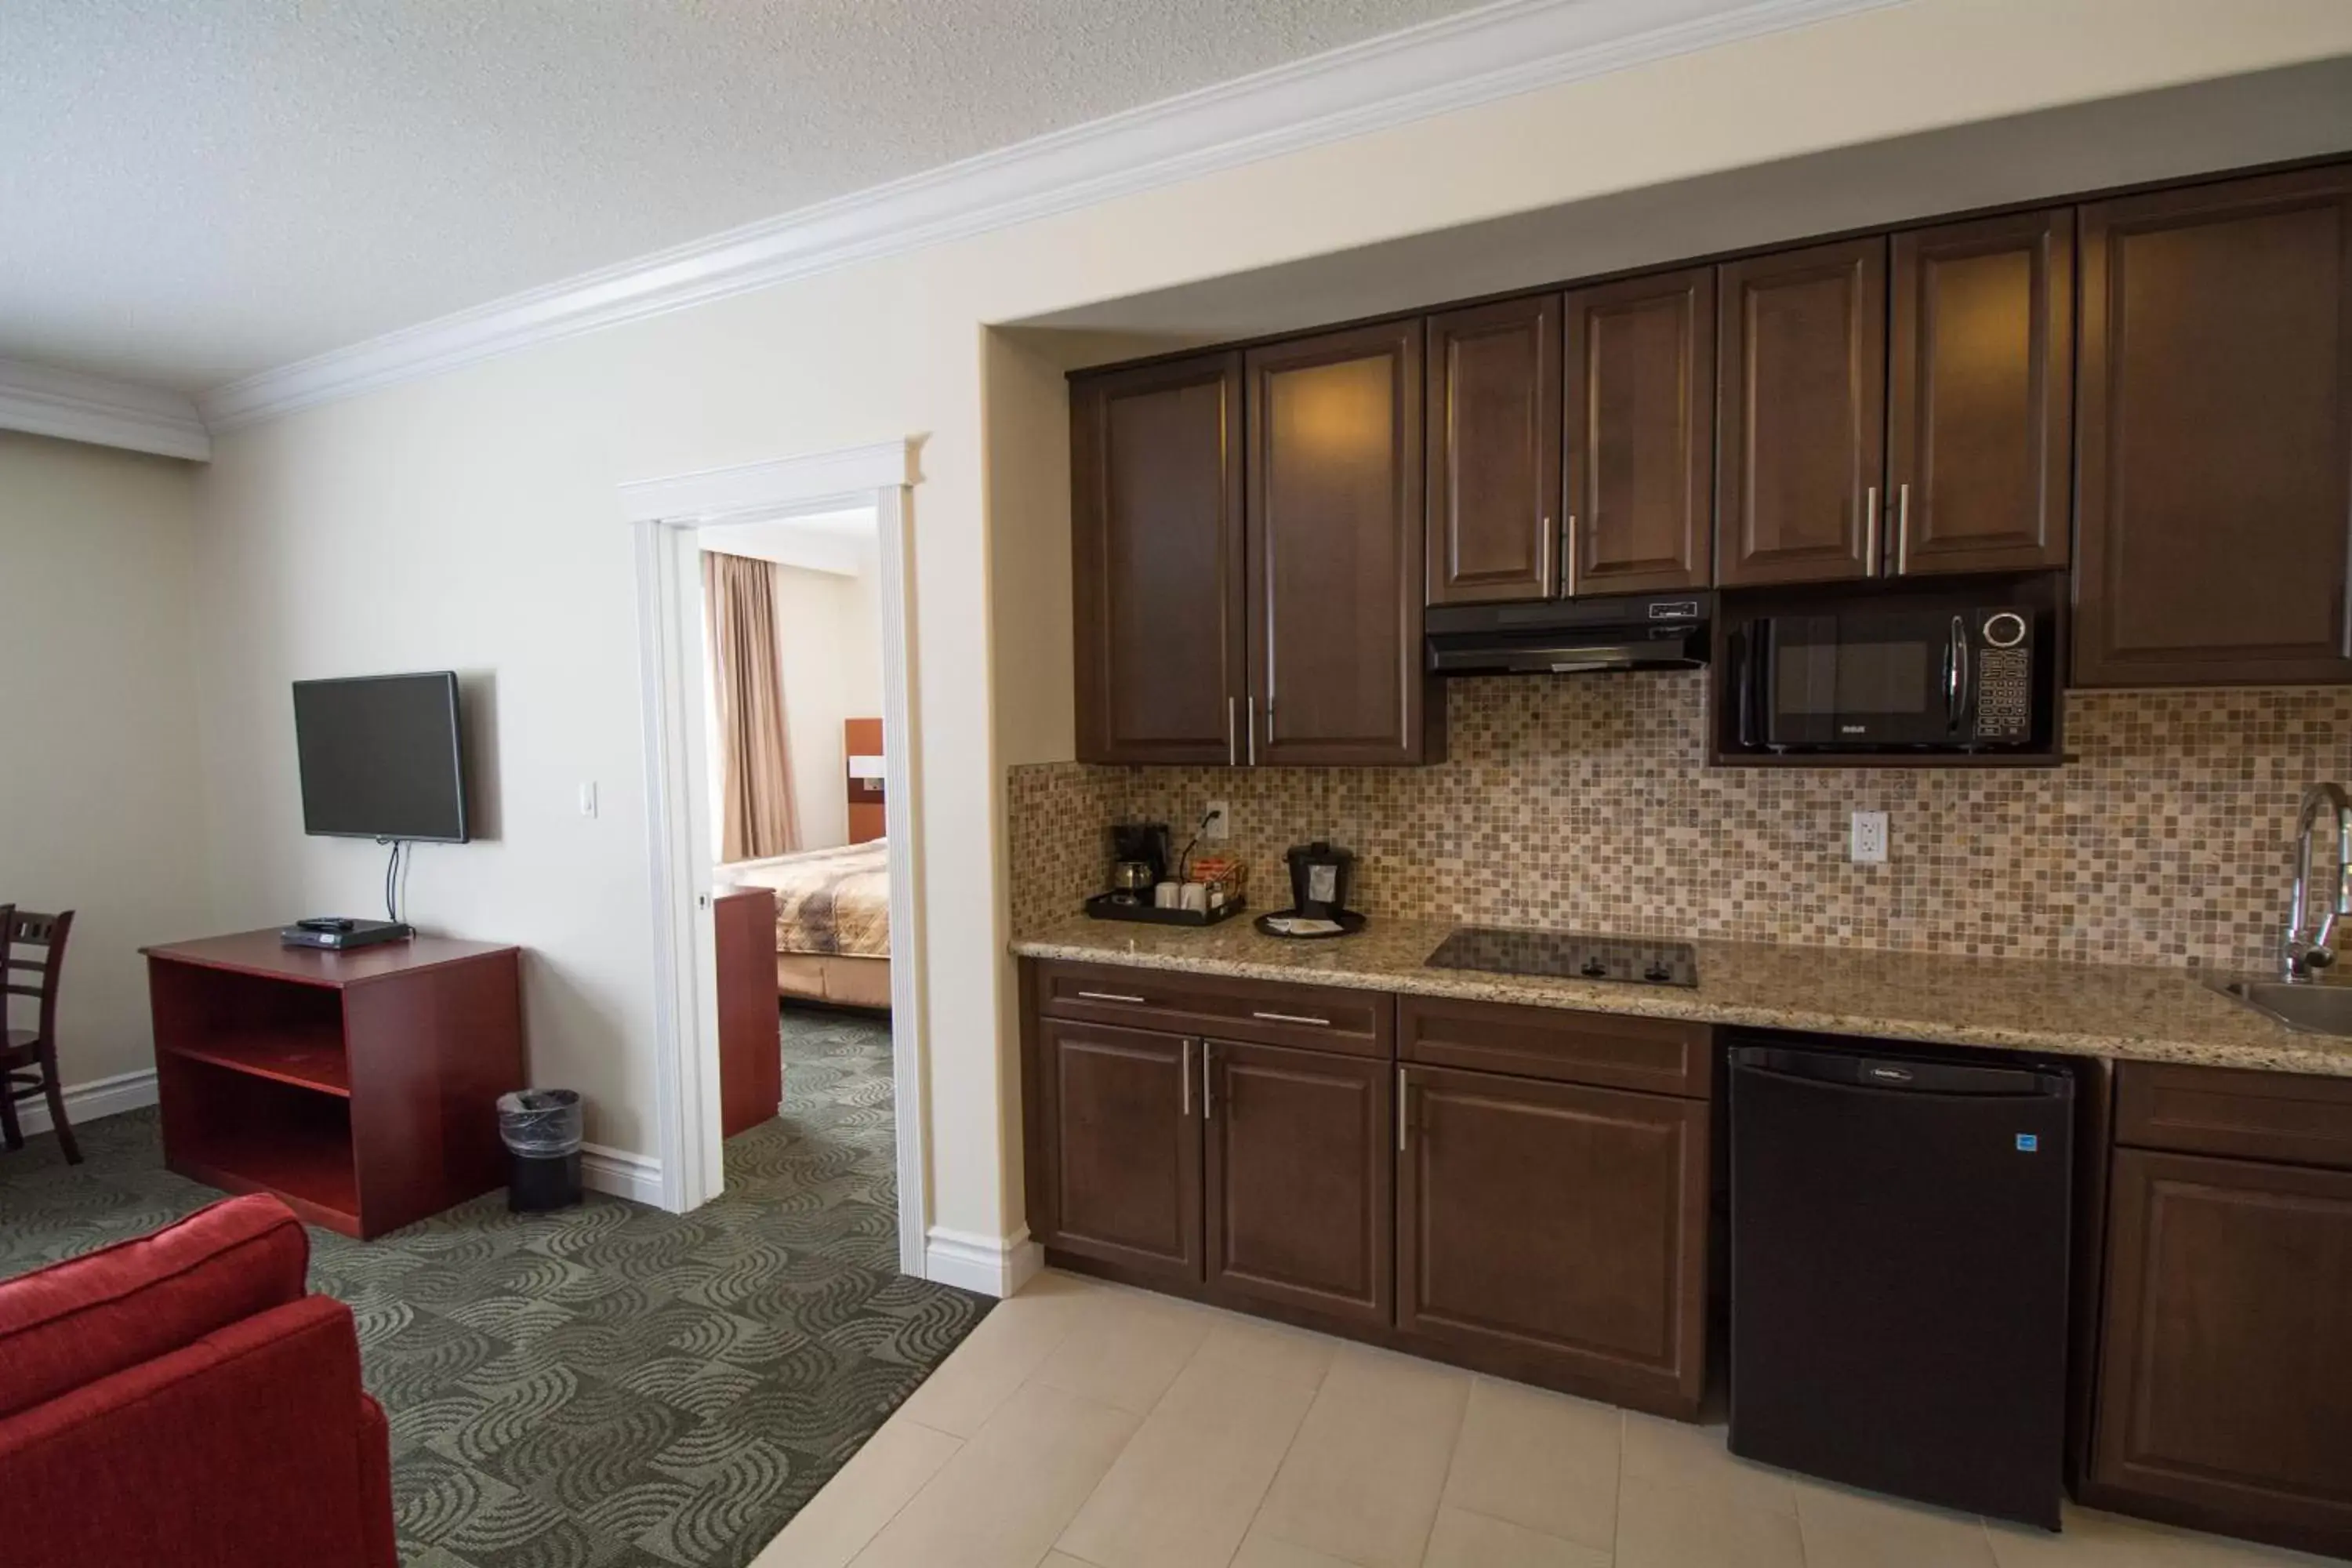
1253,729
1400,1094
1233,747
1543,547
1870,532
1292,1018
1208,1088
1571,555
1110,996
1903,529
1187,1073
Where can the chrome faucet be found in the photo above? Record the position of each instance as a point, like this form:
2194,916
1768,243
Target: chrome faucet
2301,959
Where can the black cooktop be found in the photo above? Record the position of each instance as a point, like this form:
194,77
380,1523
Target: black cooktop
1568,956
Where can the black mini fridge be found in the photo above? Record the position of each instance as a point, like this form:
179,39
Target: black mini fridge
1899,1243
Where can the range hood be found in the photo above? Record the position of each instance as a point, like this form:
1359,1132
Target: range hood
1570,637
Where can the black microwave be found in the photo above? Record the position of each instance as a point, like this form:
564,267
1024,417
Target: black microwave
1887,679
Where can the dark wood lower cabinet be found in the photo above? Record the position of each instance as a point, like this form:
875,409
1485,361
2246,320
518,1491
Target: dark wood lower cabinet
1553,1232
1452,1179
1558,1223
2225,1392
1119,1174
1298,1155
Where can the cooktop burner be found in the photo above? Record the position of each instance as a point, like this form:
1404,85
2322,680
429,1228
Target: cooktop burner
1568,956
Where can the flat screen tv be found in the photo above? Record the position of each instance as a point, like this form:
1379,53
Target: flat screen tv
381,757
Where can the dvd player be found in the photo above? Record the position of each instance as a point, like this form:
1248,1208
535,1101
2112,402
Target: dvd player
339,934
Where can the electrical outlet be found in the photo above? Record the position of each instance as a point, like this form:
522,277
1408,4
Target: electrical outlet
1869,845
1219,822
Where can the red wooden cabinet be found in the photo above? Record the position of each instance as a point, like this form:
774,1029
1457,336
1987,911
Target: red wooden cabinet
751,1031
360,1087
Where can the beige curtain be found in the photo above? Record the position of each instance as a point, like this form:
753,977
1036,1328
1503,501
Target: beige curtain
757,817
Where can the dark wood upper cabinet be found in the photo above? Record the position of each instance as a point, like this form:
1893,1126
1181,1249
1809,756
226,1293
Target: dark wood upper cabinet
1121,1146
1156,531
1494,452
1640,434
2225,1399
1299,1171
1335,561
1605,1277
2215,439
1800,414
1980,395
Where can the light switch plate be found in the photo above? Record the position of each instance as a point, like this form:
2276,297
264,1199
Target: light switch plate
588,799
1869,841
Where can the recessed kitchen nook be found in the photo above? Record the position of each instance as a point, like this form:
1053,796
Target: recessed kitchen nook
1572,634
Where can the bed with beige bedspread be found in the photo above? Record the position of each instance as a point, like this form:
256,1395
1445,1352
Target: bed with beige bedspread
833,922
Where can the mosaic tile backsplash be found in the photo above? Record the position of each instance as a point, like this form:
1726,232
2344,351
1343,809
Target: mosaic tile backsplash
1584,802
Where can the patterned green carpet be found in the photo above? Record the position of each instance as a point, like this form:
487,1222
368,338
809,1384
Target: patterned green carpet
610,1386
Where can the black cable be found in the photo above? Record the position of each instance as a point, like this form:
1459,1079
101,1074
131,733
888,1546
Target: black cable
391,871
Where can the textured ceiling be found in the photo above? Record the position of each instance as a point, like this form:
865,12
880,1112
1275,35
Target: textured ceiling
194,190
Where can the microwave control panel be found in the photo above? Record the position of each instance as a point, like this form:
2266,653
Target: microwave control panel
2004,695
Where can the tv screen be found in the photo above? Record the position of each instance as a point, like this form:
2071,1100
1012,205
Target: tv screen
381,758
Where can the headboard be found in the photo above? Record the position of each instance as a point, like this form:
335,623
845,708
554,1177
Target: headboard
861,744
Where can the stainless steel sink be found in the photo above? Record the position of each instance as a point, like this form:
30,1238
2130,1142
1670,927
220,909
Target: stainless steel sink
2313,1008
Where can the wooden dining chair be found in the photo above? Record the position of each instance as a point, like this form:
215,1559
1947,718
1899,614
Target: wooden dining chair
28,1058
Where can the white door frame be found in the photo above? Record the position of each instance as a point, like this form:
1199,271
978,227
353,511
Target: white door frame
665,515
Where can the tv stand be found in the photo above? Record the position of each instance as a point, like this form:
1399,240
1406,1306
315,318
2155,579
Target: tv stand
358,1086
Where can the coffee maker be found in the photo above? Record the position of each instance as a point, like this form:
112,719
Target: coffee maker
1318,879
1139,860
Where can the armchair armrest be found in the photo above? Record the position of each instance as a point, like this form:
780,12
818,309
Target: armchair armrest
251,1447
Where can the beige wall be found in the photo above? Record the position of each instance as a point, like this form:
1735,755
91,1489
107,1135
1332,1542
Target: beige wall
99,781
472,519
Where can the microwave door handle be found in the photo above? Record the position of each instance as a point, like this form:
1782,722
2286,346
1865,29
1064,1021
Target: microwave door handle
1746,661
1956,671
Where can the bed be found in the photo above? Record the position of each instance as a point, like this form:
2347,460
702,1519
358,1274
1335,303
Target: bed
833,922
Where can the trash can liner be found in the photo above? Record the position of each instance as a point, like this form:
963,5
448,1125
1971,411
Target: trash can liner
540,1123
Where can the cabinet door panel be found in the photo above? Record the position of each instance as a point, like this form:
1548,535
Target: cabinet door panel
1156,548
1980,395
1641,433
1335,561
1122,1146
2222,1384
1800,401
1493,451
1299,1178
2215,448
1564,1223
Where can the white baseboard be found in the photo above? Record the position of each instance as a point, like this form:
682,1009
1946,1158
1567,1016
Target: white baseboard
993,1266
93,1101
620,1174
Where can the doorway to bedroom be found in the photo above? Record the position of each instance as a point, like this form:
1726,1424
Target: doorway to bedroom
795,758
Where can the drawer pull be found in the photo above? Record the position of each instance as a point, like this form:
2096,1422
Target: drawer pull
1111,996
1291,1018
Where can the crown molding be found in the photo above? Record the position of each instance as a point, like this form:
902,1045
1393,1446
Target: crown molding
76,407
1456,62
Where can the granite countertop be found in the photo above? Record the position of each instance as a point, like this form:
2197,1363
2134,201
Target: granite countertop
2129,1012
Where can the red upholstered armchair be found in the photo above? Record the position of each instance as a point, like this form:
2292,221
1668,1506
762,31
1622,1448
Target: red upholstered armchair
179,1400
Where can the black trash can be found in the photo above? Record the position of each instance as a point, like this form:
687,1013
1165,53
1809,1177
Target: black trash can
541,1128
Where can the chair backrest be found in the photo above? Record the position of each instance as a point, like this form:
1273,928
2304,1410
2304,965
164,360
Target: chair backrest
23,975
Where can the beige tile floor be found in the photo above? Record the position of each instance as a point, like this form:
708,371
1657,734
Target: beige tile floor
1083,1426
